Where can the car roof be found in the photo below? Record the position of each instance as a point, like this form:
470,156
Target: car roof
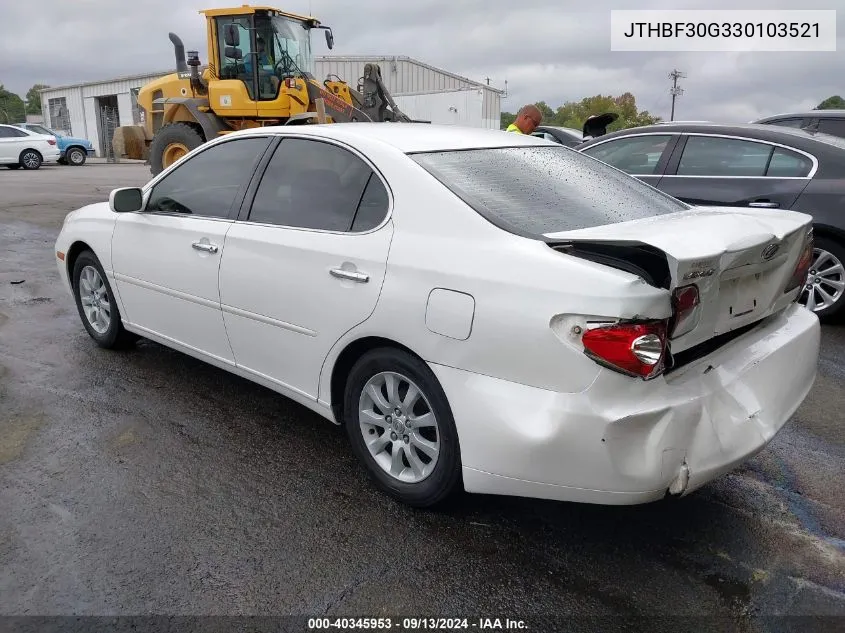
806,114
407,137
773,133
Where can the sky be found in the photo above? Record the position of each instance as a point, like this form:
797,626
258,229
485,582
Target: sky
553,51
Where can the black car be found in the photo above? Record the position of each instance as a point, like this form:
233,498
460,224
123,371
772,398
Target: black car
764,166
594,126
824,121
563,135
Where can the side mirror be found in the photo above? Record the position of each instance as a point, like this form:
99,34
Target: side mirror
329,39
231,35
126,200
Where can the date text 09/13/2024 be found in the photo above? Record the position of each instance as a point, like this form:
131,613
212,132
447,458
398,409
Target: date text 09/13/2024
415,624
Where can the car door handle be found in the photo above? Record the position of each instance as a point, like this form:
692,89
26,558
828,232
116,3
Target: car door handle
340,273
205,246
763,204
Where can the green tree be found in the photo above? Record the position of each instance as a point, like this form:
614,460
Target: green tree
832,103
545,110
505,119
574,113
12,108
33,99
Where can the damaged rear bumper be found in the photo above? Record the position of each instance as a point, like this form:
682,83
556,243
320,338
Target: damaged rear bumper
624,441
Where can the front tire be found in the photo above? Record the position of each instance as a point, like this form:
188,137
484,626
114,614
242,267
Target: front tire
96,305
171,143
400,426
824,291
30,159
75,157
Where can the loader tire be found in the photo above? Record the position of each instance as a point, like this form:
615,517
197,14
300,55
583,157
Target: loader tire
171,143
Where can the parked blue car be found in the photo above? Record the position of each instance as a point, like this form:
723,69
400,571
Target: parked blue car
73,151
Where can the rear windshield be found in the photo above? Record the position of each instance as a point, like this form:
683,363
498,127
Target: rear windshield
536,190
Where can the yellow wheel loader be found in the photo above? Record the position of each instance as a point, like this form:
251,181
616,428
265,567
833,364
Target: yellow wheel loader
259,72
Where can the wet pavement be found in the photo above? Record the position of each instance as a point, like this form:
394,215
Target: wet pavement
146,482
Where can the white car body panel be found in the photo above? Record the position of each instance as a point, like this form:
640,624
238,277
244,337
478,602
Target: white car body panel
493,314
282,307
166,286
11,148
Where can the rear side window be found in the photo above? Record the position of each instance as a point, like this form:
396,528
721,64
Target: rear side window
836,127
317,185
788,164
537,190
787,122
715,156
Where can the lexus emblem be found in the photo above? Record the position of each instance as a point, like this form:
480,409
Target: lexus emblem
770,251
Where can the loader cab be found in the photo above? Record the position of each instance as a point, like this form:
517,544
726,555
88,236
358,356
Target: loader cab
268,53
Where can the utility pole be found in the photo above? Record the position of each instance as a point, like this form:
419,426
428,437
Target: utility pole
488,80
675,90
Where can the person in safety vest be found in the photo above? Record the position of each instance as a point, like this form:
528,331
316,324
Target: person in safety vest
527,120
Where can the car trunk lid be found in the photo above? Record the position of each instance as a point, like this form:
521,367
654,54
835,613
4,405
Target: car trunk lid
740,260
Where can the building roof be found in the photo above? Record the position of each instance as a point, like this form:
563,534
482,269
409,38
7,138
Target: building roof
108,81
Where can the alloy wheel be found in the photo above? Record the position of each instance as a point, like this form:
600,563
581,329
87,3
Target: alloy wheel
825,281
95,300
399,427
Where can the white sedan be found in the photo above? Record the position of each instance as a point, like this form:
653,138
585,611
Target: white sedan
25,148
480,309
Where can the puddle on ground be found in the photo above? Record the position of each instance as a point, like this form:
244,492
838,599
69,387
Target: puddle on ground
15,433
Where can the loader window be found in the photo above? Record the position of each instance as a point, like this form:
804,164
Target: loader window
236,61
313,185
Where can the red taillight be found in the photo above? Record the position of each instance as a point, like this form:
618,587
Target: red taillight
799,276
637,349
685,302
51,141
290,82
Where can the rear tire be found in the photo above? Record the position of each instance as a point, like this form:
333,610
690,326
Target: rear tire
75,157
171,141
410,449
30,159
96,305
829,266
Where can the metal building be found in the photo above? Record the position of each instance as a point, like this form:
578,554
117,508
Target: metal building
423,91
93,110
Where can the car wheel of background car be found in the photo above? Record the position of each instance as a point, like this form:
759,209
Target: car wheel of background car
825,287
13,166
30,159
75,157
401,427
171,143
99,313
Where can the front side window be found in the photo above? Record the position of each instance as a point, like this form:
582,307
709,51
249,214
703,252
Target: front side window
635,155
207,184
537,190
316,185
715,156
